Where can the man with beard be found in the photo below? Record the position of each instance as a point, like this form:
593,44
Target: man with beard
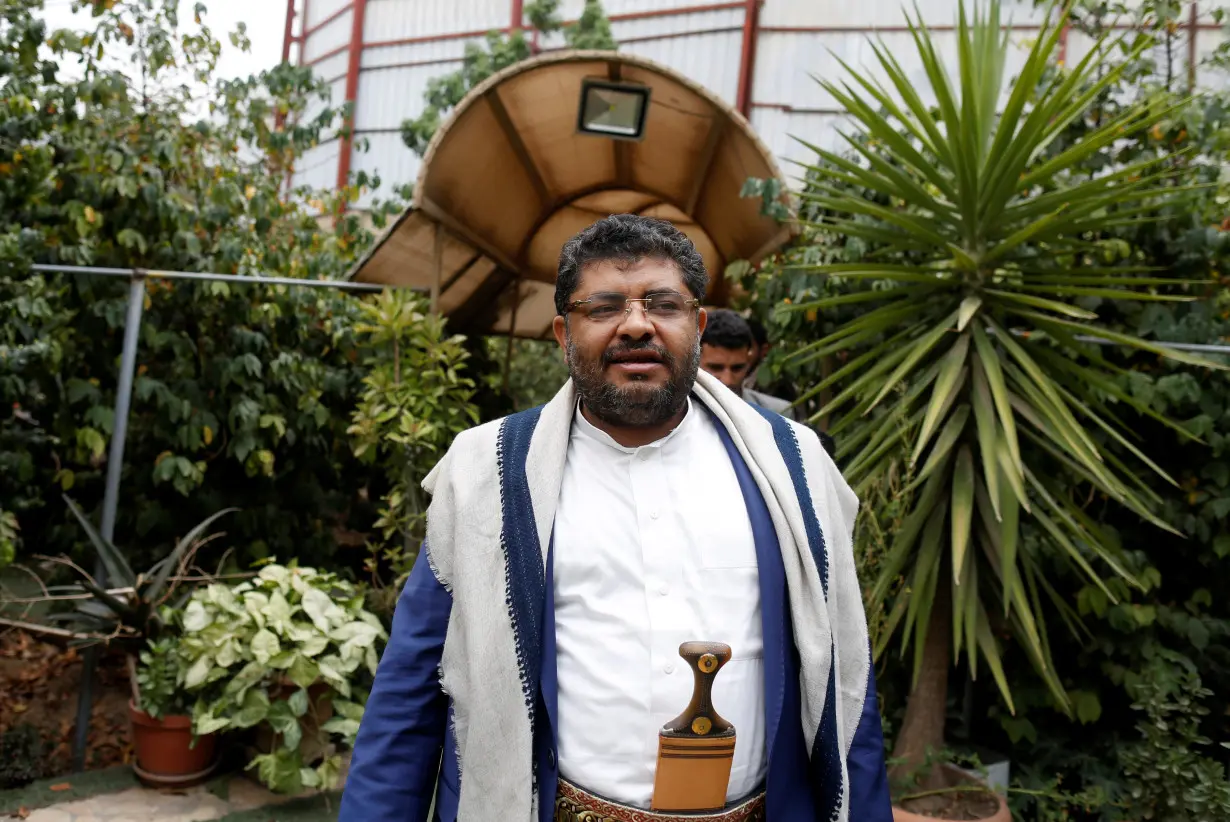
572,548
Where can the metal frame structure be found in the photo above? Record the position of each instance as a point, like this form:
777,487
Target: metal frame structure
354,49
750,29
123,400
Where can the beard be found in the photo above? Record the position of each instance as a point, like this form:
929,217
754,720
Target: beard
636,404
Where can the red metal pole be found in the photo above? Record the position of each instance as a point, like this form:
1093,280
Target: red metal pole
518,10
1193,27
286,36
352,90
747,57
303,32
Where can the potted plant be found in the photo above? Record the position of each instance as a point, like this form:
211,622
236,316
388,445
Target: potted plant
293,653
973,371
168,753
136,612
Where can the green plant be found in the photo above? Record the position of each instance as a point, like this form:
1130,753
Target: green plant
8,537
243,392
531,371
128,607
1169,779
286,648
158,672
416,399
985,250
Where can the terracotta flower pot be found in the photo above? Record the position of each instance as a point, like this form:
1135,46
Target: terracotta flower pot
165,754
953,777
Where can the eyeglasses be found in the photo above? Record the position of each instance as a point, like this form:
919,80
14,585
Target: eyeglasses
607,308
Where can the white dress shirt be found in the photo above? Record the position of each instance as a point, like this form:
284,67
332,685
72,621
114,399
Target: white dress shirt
653,548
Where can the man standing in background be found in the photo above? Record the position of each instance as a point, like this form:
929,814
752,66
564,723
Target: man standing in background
728,353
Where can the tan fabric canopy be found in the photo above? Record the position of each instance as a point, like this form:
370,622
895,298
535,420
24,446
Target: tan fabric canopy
508,179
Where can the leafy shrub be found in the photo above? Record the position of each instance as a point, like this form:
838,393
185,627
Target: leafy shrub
159,674
1169,777
416,398
293,649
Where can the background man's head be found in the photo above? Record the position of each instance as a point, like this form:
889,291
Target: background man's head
726,348
633,363
760,343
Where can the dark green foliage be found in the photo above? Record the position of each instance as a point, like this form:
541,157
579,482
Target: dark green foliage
243,393
1164,646
158,680
1171,778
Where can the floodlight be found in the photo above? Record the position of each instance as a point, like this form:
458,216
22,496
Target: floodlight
615,110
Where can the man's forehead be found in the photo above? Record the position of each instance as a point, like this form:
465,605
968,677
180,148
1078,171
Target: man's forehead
644,271
717,352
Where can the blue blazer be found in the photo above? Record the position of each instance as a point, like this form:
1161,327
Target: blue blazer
405,752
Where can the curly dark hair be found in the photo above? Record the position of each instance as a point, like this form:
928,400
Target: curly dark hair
726,329
627,238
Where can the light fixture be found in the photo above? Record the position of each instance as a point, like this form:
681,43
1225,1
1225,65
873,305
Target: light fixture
615,110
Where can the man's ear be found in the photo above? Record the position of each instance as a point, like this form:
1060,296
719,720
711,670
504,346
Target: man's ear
560,326
702,320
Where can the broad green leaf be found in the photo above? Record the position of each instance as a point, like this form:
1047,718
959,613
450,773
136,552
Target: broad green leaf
195,617
265,646
318,607
253,711
298,701
198,672
341,725
303,672
283,720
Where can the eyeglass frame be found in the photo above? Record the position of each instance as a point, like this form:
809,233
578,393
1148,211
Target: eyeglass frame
694,302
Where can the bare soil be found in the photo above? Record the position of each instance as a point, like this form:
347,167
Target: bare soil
39,685
966,806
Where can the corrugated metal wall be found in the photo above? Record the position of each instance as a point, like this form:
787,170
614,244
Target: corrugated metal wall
405,43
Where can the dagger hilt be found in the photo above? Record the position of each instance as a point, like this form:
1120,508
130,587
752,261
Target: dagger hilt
700,719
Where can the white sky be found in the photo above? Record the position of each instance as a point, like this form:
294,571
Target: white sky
266,21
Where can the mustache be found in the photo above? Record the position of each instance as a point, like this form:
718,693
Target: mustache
615,353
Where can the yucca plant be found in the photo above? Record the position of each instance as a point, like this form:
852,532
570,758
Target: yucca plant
971,370
127,610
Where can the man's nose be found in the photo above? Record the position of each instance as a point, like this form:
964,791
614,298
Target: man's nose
636,323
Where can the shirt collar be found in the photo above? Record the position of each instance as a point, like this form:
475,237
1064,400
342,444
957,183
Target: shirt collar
586,428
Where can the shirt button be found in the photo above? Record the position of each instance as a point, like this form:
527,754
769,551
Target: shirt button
645,454
653,514
670,669
664,589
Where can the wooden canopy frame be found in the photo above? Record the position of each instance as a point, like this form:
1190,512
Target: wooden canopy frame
509,178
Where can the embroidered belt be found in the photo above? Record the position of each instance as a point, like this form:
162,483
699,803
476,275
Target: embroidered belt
574,804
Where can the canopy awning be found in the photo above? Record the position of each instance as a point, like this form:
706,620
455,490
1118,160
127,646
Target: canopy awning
509,178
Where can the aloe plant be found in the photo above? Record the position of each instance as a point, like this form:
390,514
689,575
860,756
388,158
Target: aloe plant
974,338
125,609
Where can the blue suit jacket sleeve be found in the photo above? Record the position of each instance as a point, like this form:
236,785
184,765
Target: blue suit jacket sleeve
869,795
397,753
